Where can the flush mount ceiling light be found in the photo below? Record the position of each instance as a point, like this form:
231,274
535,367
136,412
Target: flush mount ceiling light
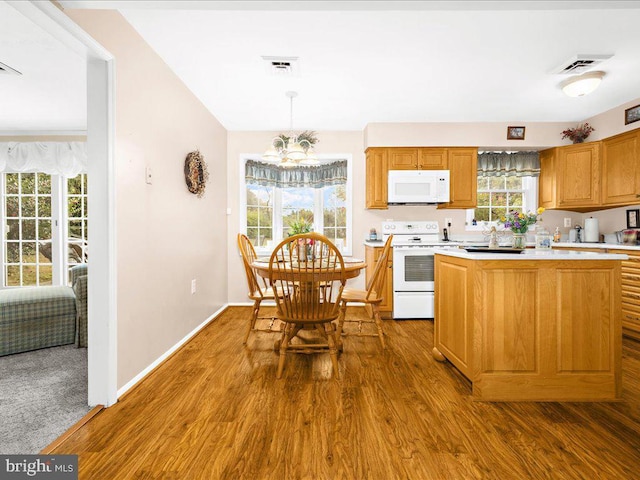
294,148
582,84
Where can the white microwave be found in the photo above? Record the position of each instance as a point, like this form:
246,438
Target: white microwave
418,187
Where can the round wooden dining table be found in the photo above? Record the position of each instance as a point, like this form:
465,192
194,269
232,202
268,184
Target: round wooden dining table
352,267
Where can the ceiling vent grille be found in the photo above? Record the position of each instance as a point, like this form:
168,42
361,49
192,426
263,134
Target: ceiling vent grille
282,66
580,63
7,69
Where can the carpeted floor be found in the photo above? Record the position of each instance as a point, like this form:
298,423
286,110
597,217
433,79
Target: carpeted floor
42,394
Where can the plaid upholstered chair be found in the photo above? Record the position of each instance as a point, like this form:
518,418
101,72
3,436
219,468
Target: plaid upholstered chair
40,317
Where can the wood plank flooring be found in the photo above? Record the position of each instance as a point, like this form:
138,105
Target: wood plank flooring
216,411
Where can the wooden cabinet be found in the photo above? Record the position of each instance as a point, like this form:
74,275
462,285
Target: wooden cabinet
621,169
578,175
372,255
463,165
547,179
425,158
403,158
376,178
531,330
630,293
570,177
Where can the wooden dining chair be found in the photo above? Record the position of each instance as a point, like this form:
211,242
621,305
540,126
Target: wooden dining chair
372,296
307,275
258,289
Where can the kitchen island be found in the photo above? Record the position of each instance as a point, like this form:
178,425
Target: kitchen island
541,325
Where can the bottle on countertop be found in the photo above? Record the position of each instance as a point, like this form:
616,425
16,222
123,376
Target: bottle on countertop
373,235
556,235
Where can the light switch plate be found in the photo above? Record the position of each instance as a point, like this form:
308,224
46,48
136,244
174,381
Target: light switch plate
148,175
567,222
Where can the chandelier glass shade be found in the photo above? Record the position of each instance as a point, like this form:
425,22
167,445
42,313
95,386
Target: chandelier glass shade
582,84
292,149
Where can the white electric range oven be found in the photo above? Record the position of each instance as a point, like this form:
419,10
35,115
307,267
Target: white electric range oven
413,264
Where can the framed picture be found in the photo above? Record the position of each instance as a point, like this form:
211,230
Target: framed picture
633,218
632,115
515,133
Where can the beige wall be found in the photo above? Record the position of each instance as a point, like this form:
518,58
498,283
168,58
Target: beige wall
611,122
166,235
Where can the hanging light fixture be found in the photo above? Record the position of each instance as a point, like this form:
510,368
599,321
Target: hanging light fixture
292,149
582,84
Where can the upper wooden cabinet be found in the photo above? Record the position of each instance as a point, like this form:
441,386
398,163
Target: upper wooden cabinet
578,175
376,180
570,177
462,162
463,165
621,169
547,179
426,158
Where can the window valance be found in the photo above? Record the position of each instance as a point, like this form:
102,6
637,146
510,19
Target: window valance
55,158
519,164
314,176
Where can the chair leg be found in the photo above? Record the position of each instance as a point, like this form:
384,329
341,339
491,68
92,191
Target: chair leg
329,332
252,320
284,343
341,317
378,320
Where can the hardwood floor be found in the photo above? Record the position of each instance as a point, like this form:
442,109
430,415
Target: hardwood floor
216,411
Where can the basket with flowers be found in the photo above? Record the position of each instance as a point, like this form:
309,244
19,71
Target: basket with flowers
578,134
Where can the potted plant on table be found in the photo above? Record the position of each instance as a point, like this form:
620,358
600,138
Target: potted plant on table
297,227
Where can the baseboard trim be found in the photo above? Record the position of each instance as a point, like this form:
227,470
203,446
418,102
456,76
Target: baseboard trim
80,423
166,355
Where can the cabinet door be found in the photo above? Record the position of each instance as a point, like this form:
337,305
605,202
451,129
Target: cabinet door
620,169
578,175
547,179
432,158
376,181
403,158
463,165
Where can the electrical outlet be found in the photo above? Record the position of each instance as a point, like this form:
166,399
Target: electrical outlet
567,222
193,286
448,221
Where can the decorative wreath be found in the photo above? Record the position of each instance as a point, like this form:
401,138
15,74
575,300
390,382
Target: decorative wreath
195,173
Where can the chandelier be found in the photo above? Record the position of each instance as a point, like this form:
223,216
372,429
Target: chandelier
292,149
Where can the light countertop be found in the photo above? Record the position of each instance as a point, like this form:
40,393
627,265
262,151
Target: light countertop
531,254
615,246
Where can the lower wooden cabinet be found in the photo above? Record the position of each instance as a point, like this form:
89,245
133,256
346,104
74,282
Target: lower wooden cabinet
630,293
372,254
630,288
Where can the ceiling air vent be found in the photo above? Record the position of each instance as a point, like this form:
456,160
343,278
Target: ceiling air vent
580,63
7,69
282,66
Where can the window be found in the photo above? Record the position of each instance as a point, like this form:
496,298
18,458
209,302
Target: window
27,240
270,210
32,228
500,194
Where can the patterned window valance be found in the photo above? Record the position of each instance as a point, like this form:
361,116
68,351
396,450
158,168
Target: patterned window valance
316,176
55,158
519,164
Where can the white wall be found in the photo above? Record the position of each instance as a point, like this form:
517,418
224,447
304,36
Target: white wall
166,236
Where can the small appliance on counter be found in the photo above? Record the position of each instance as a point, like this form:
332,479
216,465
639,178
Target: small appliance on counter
591,231
575,234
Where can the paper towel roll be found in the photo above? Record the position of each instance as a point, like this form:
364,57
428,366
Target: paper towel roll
591,232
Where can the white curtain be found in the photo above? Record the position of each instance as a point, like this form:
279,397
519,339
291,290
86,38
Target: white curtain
55,158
